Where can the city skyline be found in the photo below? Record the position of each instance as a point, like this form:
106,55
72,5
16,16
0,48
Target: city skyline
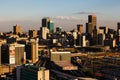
59,40
65,14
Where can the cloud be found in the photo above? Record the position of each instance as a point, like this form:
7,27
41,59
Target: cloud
87,13
66,17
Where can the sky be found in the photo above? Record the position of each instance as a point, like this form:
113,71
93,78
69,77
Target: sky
65,13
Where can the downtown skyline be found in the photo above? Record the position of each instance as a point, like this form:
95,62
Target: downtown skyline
65,14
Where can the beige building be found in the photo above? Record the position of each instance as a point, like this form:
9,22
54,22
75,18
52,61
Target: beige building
33,33
6,69
17,29
43,74
80,28
45,31
63,60
32,50
85,42
103,29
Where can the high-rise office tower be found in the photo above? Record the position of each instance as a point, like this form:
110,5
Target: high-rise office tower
5,52
92,23
104,29
14,54
118,25
44,32
79,40
51,26
32,50
92,19
80,28
84,40
95,37
33,33
47,22
17,29
118,33
74,33
89,28
19,54
118,28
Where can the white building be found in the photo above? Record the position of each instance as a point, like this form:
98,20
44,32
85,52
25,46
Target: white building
45,31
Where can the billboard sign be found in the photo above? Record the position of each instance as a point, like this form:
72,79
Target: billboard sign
11,55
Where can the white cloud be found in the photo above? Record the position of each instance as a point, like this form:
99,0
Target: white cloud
67,17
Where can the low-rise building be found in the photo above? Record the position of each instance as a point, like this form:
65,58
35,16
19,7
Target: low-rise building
32,72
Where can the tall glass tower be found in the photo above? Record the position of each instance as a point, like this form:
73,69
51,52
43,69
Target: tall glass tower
51,26
47,22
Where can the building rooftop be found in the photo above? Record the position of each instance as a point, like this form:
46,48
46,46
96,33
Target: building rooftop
66,65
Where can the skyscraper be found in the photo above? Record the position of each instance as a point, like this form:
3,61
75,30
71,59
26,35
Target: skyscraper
118,33
118,25
32,50
92,19
19,54
92,23
44,32
118,28
51,26
14,54
47,22
91,29
95,37
33,33
17,29
80,28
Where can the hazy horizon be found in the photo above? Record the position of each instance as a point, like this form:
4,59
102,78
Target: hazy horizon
66,14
